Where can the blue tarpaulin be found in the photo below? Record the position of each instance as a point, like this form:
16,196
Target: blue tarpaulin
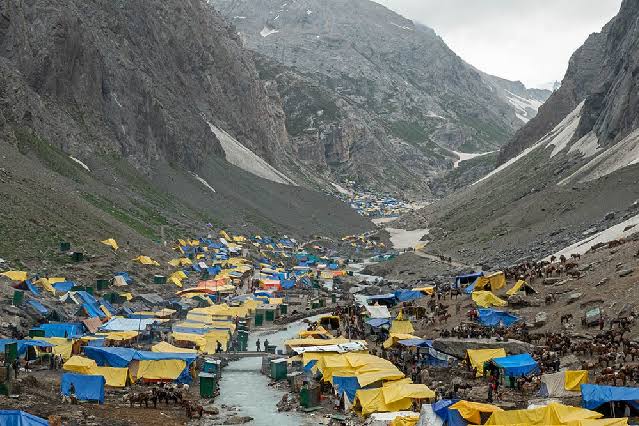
449,417
126,277
408,295
421,343
310,365
38,306
23,344
87,387
33,289
286,284
592,396
378,322
61,329
127,324
468,278
20,418
517,365
347,385
64,286
494,317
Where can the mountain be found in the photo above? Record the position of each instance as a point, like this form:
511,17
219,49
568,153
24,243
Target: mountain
550,86
567,175
140,119
372,97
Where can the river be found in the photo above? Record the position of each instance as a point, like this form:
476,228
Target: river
243,386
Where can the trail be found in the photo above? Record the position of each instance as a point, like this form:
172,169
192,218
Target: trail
437,259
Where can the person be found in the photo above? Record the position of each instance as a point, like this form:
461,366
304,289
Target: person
257,344
218,347
265,345
490,393
16,368
52,362
71,397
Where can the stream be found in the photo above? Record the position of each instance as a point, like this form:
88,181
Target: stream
243,386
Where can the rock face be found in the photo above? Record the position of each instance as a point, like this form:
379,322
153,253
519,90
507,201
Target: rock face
371,96
566,170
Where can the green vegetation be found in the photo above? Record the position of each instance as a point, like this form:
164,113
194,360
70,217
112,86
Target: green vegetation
411,132
127,217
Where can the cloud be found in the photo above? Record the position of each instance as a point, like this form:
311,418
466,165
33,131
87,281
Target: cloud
530,41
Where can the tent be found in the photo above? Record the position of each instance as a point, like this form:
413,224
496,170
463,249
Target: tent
401,327
377,311
478,357
169,348
517,365
15,275
467,279
392,396
146,260
111,243
519,285
574,379
346,385
408,295
471,411
554,386
80,365
493,282
87,388
592,396
383,299
493,317
128,324
394,338
20,418
487,299
114,377
61,329
152,370
551,414
378,322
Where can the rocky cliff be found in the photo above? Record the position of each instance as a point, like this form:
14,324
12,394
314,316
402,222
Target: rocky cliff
373,97
566,176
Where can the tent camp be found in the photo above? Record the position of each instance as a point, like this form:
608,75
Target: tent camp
517,365
20,418
492,282
478,357
392,396
551,414
87,388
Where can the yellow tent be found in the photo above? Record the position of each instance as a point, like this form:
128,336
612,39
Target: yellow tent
79,365
15,275
166,369
552,414
111,243
368,401
427,290
496,280
146,260
405,421
401,327
471,411
574,379
486,299
119,336
46,284
394,391
393,338
183,261
62,346
479,356
518,285
166,347
115,377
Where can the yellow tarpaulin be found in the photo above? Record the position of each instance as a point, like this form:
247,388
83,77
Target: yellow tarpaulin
119,336
111,243
574,379
405,421
518,285
552,414
275,301
166,369
496,280
471,411
15,275
393,338
63,347
46,284
401,327
183,261
479,356
79,365
166,347
486,299
146,260
315,342
115,377
427,290
368,401
394,391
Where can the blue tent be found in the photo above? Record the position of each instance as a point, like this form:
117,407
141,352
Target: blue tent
517,365
494,317
592,396
20,418
408,295
416,343
347,385
287,284
449,417
61,329
378,322
126,276
87,387
38,306
23,344
33,289
64,286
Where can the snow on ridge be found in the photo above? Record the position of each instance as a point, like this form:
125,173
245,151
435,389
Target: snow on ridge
401,27
242,157
266,31
84,166
465,156
522,105
203,182
560,135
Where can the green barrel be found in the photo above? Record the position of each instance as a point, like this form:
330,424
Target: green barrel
322,302
333,298
11,352
315,304
102,284
309,398
77,256
18,297
207,385
279,369
283,309
159,279
259,319
65,246
269,315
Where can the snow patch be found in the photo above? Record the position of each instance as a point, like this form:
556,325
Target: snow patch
309,11
523,105
239,17
623,154
266,31
203,182
242,157
115,99
613,233
84,166
401,26
403,239
464,156
560,135
341,189
431,113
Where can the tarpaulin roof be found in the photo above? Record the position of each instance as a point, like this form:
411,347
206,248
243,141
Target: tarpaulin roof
401,327
517,365
121,357
551,414
471,411
554,386
166,347
479,356
167,369
408,295
377,311
393,338
493,318
38,306
61,329
32,288
79,364
127,324
111,243
378,322
114,377
496,281
592,396
64,286
518,285
422,343
20,418
486,299
392,396
395,391
87,388
15,275
348,385
574,379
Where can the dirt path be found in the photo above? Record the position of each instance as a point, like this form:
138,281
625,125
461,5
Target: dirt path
437,259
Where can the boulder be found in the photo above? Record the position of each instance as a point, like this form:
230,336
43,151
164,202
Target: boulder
457,347
541,318
626,272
